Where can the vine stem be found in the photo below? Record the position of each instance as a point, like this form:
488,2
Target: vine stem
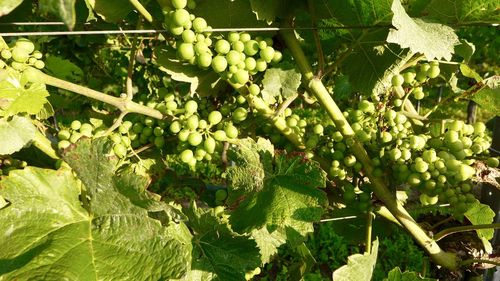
443,233
471,261
43,143
123,104
369,226
316,87
319,49
142,10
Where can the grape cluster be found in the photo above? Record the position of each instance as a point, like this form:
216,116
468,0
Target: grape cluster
72,134
413,78
20,55
8,164
235,58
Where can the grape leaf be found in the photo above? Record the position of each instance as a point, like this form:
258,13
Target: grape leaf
251,161
359,267
269,10
15,134
112,10
227,14
278,82
63,69
289,200
469,72
268,243
458,12
355,12
51,236
396,275
488,95
18,97
64,9
8,6
481,214
202,82
434,40
219,254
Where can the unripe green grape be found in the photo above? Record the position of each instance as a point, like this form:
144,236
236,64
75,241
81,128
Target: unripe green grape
479,128
214,117
219,64
37,55
428,200
183,135
254,89
267,54
204,60
186,156
63,144
220,135
233,37
464,172
417,142
159,141
251,47
75,137
31,60
222,46
397,80
201,48
233,57
241,65
350,160
240,77
238,46
115,138
179,4
409,76
385,137
209,145
421,77
421,166
277,57
175,30
261,65
157,131
194,138
244,37
20,55
318,129
63,135
186,51
262,44
192,122
199,24
120,150
39,64
147,131
188,36
433,72
292,122
418,94
492,162
394,154
6,54
180,17
250,63
191,107
239,114
231,131
125,141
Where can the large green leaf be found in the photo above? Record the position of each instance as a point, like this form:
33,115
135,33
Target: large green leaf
18,97
268,243
51,235
8,6
488,95
63,69
269,10
112,10
359,267
289,199
227,14
396,275
280,82
434,40
15,134
219,254
64,9
463,11
356,12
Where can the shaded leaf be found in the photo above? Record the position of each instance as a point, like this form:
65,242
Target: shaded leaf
269,10
481,214
15,134
434,40
219,253
112,10
235,14
356,12
278,82
63,69
463,11
64,9
468,72
8,6
488,96
359,267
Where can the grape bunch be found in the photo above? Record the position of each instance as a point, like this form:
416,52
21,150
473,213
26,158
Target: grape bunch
7,164
413,79
20,55
235,58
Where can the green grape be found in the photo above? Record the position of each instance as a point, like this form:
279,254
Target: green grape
421,166
219,64
251,47
75,137
120,150
192,122
63,135
39,64
267,54
350,160
240,77
417,142
492,162
220,195
199,24
254,89
233,37
125,127
318,129
464,172
238,46
409,76
394,154
244,37
191,107
183,135
179,4
261,65
214,117
147,131
397,80
115,138
201,48
158,131
188,36
63,144
239,114
37,55
204,60
433,72
385,137
180,17
428,200
200,154
250,63
418,94
194,138
222,46
231,131
233,57
366,106
220,135
278,56
185,51
479,128
86,127
6,54
209,145
176,30
187,156
137,128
